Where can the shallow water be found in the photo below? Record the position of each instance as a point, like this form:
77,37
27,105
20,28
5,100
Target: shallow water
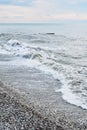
56,49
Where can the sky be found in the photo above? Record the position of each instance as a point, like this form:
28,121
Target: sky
28,11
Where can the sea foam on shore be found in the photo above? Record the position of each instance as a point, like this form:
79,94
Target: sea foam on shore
36,90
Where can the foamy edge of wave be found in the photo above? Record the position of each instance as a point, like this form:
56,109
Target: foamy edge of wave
67,95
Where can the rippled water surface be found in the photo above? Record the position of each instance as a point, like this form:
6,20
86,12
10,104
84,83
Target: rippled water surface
57,49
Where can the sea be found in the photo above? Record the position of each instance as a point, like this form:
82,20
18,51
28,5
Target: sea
57,49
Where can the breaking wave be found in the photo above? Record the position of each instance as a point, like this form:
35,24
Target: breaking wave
52,54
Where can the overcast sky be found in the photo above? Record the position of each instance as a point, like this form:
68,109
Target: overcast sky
42,10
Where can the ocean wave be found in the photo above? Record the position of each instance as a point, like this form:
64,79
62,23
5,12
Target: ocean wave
66,65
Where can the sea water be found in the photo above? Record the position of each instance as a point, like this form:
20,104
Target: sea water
56,49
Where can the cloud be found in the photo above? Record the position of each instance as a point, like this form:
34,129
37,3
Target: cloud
16,2
77,1
69,16
40,11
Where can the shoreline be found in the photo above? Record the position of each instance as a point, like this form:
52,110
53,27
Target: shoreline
40,96
18,116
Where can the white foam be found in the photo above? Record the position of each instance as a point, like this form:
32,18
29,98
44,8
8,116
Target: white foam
44,60
67,93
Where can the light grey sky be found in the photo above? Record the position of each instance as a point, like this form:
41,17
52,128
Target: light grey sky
42,10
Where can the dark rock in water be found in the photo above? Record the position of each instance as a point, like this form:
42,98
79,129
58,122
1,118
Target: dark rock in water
16,44
50,33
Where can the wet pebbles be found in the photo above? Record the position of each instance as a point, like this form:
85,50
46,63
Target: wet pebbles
17,116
